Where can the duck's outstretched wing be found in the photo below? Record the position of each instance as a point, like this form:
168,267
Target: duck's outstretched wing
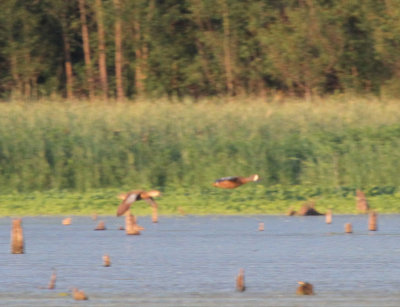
229,178
125,205
228,182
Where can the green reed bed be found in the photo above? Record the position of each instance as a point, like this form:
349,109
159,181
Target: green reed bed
83,150
246,200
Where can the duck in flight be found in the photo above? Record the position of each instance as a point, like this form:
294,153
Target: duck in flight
234,181
130,197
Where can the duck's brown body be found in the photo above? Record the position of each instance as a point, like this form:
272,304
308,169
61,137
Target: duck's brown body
305,288
130,197
234,181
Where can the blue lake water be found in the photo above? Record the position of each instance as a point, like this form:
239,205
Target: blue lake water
193,261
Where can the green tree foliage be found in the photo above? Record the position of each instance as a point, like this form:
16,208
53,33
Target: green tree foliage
203,47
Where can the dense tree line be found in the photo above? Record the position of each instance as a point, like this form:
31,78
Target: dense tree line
127,49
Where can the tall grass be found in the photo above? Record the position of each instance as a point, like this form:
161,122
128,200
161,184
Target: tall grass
172,146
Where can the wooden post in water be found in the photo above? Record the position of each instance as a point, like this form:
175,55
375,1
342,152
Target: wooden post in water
17,237
154,214
372,221
328,217
66,221
305,288
106,260
52,283
240,286
131,227
348,228
100,226
361,202
79,295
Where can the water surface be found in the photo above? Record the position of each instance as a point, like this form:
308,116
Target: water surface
193,261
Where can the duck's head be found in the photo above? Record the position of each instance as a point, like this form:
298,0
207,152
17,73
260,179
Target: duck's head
154,193
122,196
255,177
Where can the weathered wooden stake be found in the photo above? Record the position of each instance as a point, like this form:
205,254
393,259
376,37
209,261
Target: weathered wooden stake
154,215
261,226
100,226
348,228
372,221
131,227
79,295
66,221
17,237
305,288
240,286
106,260
328,217
52,283
361,202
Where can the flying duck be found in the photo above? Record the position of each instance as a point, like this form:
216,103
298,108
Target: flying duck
234,181
130,197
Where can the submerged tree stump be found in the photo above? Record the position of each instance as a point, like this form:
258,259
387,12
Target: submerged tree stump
100,226
154,215
17,237
52,283
361,202
106,260
66,221
373,221
308,209
304,288
131,228
79,295
348,228
328,217
240,286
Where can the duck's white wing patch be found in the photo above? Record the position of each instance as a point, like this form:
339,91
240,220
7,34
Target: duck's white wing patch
131,198
125,205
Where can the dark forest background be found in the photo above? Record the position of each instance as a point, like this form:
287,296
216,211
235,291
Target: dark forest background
128,49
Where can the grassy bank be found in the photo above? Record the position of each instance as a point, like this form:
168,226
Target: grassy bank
246,200
97,150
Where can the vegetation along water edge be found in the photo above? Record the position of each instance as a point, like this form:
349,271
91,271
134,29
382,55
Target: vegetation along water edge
77,157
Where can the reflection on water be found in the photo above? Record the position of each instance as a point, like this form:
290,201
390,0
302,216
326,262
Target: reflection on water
193,261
